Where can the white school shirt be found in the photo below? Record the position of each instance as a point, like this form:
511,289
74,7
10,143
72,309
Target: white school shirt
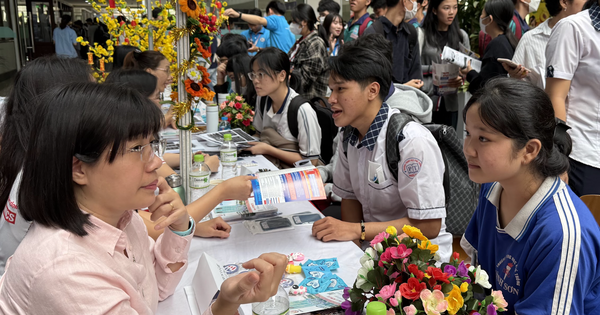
573,53
531,53
309,131
12,225
419,192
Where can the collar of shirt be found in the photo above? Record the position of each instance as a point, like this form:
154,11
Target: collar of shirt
519,224
370,137
595,16
108,237
391,28
269,101
391,91
359,21
262,31
524,25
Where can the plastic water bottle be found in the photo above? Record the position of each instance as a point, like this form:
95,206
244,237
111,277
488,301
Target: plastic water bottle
199,177
279,304
228,152
224,124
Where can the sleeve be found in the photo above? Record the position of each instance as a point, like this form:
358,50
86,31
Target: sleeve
310,63
421,174
309,132
73,37
465,39
342,185
563,51
520,56
169,248
64,288
490,67
272,23
415,71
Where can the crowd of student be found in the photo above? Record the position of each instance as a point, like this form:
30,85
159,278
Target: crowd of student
85,218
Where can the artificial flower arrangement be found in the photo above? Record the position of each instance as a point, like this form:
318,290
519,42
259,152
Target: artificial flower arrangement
238,112
400,271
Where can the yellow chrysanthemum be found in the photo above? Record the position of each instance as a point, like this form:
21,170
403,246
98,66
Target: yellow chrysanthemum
455,300
413,232
391,230
427,245
464,287
79,39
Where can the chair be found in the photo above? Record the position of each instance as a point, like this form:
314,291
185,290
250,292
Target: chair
593,203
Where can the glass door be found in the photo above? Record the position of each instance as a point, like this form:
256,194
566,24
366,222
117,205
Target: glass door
40,15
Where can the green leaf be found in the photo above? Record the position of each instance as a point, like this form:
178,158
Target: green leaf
447,287
472,304
477,289
425,255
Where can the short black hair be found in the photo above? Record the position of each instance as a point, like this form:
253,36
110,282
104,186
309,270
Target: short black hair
329,6
532,119
391,3
378,4
239,65
156,12
231,45
363,64
255,11
378,42
277,6
273,60
89,119
139,80
554,7
304,12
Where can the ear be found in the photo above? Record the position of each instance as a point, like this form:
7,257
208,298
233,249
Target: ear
368,3
424,4
563,4
149,71
79,174
531,151
373,90
281,76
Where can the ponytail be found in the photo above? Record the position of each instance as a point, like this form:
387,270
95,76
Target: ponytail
502,12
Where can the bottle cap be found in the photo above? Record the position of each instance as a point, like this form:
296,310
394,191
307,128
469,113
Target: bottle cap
198,158
227,137
174,180
376,308
224,118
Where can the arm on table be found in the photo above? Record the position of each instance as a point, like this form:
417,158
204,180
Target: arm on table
557,90
267,149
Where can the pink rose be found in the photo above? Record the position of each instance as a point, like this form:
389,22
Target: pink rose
499,300
390,312
387,291
252,112
385,257
239,116
222,106
410,310
379,238
251,118
397,298
400,252
238,98
228,115
231,104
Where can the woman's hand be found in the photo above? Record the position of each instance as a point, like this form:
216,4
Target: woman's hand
519,72
254,286
416,83
467,69
221,73
238,188
170,119
456,82
259,148
168,204
216,227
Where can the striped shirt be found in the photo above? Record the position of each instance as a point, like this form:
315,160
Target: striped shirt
545,260
531,53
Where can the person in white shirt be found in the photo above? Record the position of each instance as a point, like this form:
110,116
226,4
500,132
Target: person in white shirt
372,198
572,82
18,121
270,75
530,54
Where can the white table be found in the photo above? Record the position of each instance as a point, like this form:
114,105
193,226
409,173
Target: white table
242,246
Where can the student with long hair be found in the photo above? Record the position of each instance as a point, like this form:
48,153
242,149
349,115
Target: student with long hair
17,117
536,239
237,70
331,32
494,20
65,39
86,237
270,75
309,53
441,28
154,62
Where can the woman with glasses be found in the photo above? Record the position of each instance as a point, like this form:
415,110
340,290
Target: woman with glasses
87,250
17,116
270,75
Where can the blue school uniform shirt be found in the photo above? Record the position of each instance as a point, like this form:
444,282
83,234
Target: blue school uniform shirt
545,260
64,40
260,39
352,29
281,37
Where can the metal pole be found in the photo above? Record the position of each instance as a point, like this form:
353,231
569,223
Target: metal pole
17,39
185,136
149,16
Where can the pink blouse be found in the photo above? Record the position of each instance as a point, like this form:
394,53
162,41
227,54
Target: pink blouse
109,271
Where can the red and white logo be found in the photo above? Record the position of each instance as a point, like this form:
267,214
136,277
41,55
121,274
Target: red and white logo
9,216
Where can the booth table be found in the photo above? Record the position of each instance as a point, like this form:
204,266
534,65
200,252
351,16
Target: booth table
242,246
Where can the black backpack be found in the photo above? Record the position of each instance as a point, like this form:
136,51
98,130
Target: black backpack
324,115
460,192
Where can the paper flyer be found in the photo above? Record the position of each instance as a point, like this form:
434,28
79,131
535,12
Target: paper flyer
294,184
460,59
441,74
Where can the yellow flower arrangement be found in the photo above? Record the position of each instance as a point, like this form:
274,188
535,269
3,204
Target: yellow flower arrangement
413,232
391,230
455,300
427,245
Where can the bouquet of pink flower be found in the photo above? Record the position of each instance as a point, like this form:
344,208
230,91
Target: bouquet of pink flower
400,271
238,112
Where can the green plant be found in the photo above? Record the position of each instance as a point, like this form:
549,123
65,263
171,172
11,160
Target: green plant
469,20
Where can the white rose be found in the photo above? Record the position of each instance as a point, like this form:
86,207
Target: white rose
482,278
372,253
379,248
361,280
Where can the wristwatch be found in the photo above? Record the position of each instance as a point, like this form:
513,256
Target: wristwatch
240,13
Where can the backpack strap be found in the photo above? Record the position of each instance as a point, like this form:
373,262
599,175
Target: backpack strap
292,114
364,25
319,100
262,105
394,136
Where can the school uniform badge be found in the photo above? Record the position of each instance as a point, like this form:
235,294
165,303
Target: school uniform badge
411,167
550,72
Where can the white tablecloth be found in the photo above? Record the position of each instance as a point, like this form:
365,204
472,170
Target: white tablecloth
242,246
